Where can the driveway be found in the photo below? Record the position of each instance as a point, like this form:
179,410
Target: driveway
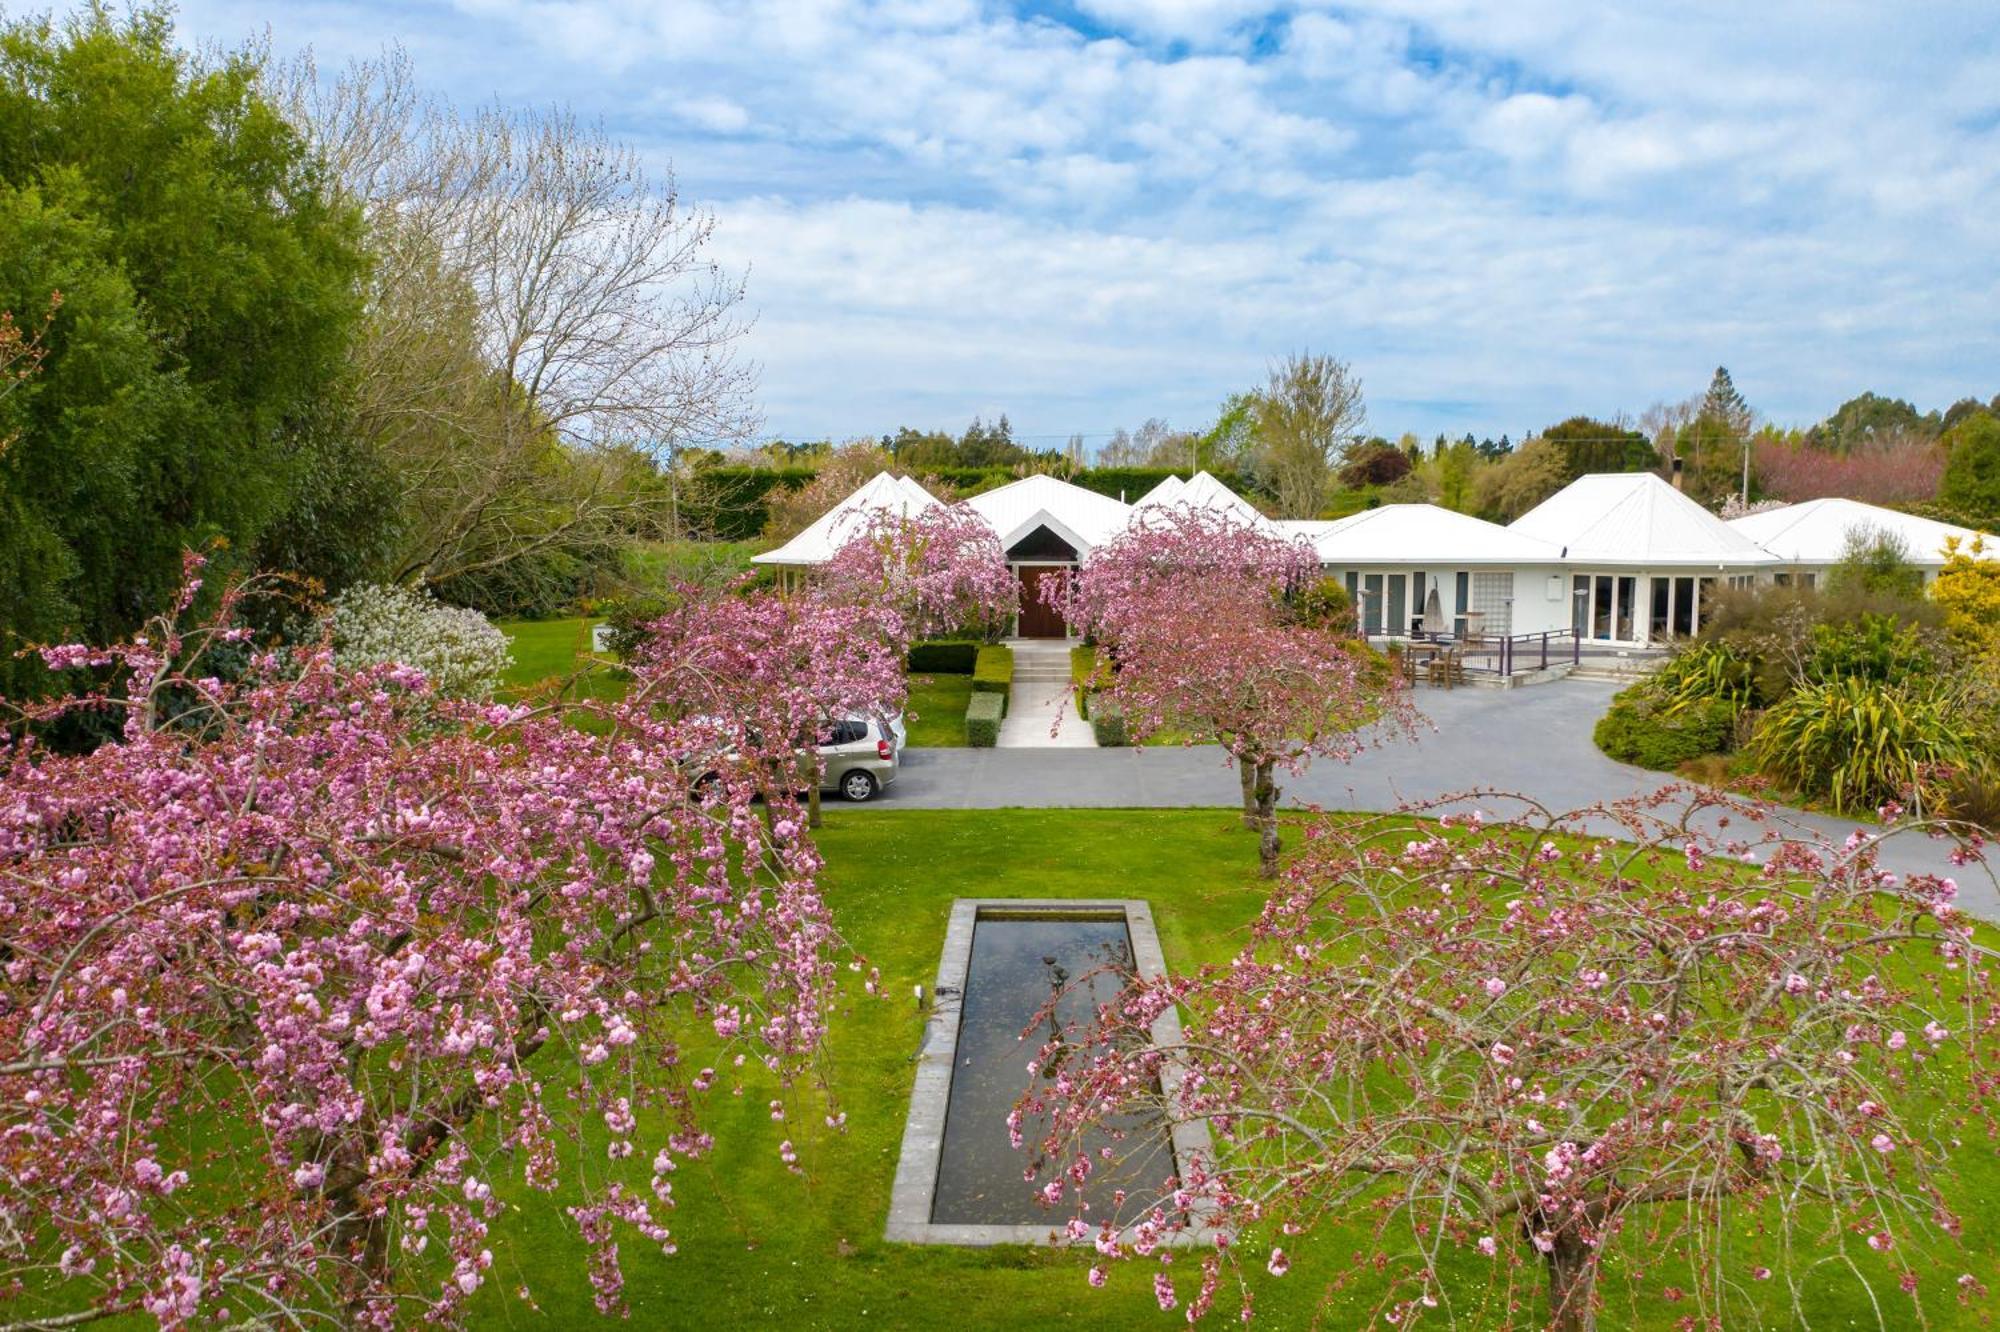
1533,741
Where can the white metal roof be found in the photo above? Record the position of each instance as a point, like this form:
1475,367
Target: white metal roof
880,493
1415,535
1636,519
1081,517
1203,491
1815,532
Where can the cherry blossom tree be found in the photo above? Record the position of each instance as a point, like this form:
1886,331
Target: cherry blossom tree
943,570
308,969
1196,611
745,684
1526,1045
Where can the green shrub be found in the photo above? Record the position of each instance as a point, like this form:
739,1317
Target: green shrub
1858,743
628,618
1108,723
944,657
982,720
1324,604
993,673
1640,729
1871,647
1704,673
1974,796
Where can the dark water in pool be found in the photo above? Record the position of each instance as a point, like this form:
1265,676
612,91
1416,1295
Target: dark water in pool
1016,965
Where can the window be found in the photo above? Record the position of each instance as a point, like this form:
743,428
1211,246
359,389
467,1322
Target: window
1493,597
846,732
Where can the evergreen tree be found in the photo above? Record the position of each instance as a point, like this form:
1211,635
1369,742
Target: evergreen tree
1723,403
1972,474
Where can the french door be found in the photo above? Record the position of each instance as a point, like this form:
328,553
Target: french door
1605,607
1388,603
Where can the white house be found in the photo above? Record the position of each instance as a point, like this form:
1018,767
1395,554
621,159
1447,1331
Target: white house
1639,555
1046,524
1811,538
1623,559
1486,578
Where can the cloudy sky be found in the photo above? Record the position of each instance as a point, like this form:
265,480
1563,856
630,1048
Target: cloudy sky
1087,212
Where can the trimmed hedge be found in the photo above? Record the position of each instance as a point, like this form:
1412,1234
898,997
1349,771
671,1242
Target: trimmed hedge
1637,729
943,657
993,673
726,503
982,720
1108,723
1132,482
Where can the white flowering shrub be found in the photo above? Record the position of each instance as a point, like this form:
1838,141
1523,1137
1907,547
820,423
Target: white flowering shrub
459,649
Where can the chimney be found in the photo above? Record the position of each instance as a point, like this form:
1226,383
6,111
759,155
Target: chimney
1677,474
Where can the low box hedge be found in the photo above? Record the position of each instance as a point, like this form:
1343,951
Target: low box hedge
1108,724
943,656
982,720
994,671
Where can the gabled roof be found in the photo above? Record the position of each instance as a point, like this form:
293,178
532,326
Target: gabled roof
1202,491
1636,519
881,493
1081,517
1415,535
1815,532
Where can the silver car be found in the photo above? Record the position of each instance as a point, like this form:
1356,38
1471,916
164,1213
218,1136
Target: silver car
860,757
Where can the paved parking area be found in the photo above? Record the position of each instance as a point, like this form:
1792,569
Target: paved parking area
1533,742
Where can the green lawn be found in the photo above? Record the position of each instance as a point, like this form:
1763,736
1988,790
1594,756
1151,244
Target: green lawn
547,650
761,1247
935,711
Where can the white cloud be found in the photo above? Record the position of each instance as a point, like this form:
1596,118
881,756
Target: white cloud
1532,207
714,113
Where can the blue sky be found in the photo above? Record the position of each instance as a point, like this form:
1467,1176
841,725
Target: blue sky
1088,212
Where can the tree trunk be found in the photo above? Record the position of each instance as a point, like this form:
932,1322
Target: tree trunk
1266,793
1246,772
1572,1285
812,802
362,1240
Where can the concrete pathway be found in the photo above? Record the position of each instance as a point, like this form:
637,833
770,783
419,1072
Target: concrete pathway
1040,700
1533,742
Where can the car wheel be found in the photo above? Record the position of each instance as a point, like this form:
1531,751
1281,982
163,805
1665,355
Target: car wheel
858,785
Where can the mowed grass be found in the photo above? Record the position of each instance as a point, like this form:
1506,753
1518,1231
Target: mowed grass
759,1246
547,651
935,710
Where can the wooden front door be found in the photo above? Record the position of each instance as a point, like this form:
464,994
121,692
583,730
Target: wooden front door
1038,618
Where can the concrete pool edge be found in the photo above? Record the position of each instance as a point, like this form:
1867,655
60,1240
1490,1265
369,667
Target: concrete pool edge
911,1198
